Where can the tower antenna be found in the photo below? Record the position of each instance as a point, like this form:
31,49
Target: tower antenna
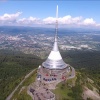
56,24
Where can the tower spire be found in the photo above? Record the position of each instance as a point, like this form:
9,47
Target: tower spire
55,47
56,22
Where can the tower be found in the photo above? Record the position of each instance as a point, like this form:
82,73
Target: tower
54,60
54,69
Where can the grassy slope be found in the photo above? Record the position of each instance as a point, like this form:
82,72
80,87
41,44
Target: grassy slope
69,90
62,91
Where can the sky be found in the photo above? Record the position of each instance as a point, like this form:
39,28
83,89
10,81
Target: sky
72,13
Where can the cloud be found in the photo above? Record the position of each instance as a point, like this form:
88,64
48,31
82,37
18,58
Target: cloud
62,20
29,21
9,18
68,20
89,21
49,20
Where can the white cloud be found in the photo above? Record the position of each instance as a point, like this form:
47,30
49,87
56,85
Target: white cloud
9,18
97,25
13,19
29,21
89,21
69,20
49,20
63,20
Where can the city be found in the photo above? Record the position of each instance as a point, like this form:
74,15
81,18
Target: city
41,43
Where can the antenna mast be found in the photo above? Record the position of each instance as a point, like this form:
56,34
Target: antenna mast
56,24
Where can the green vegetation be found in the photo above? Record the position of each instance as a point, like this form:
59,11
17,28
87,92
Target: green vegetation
13,67
23,94
62,91
31,79
69,90
72,81
89,99
86,62
87,66
89,86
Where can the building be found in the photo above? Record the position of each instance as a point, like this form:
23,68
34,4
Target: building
54,69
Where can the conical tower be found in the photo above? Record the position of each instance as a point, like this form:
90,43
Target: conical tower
54,60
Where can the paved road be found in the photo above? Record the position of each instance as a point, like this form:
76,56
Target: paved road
72,74
10,96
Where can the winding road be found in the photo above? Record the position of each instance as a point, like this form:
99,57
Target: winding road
72,74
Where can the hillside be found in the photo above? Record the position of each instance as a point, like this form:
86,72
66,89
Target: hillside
15,65
87,62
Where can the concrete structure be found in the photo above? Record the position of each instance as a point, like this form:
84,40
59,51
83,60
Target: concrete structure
54,69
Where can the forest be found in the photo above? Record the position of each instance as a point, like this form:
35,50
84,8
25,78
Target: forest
87,62
14,65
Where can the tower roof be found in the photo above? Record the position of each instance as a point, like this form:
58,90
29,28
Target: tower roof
54,60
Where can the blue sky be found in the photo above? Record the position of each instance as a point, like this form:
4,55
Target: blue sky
43,12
